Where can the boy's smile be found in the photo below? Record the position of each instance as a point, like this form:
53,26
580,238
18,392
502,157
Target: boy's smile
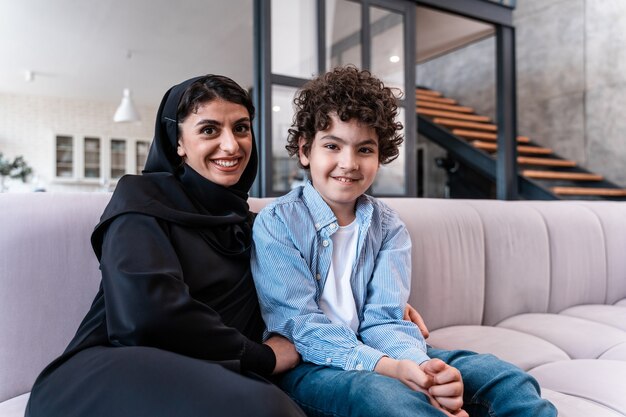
343,161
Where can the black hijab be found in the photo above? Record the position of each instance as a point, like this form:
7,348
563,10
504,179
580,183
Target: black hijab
173,191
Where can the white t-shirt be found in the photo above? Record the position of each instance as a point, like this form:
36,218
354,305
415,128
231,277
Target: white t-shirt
337,300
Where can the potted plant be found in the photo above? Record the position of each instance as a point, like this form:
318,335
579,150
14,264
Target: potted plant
18,168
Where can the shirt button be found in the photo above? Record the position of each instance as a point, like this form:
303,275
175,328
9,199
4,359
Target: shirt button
329,360
333,225
325,243
359,367
317,226
318,277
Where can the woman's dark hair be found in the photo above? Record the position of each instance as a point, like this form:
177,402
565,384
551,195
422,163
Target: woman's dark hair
211,87
351,94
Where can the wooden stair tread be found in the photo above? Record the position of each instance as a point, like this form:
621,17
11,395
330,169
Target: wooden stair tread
555,175
453,115
484,135
426,92
527,160
492,146
441,100
588,191
448,107
471,125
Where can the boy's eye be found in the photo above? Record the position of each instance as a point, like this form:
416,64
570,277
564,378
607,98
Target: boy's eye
366,150
331,146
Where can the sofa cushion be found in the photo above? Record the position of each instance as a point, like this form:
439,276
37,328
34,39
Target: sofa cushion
573,406
517,265
612,315
616,353
579,338
448,259
599,381
521,349
612,217
578,265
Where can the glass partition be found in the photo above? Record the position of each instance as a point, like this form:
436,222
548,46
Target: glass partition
285,172
391,178
343,33
388,46
294,38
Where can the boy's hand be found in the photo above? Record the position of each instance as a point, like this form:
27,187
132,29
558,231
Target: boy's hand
438,380
408,372
287,357
447,386
411,314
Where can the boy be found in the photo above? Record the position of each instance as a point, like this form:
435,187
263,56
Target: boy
332,271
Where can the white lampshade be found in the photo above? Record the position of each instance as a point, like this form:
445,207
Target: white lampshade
126,112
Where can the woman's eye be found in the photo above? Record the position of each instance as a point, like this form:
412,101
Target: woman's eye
208,130
242,128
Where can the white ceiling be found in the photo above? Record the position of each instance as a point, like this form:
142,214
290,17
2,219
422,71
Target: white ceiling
78,48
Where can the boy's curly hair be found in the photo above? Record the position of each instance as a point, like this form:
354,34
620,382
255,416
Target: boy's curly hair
351,94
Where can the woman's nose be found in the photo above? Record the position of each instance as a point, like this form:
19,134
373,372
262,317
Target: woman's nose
228,143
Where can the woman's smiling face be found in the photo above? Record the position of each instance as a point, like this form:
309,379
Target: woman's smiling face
216,141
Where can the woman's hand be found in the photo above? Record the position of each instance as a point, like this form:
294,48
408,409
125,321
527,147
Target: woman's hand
411,314
287,357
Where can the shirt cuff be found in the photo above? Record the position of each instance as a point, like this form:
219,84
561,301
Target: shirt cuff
415,354
363,358
258,357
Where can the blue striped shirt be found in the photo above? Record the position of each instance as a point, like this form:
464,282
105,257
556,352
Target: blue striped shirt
291,258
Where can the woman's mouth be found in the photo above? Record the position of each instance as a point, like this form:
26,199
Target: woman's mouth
226,164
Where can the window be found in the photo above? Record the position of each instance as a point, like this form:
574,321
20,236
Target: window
92,158
141,155
64,156
118,158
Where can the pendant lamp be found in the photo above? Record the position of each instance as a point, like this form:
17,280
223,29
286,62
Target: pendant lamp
126,112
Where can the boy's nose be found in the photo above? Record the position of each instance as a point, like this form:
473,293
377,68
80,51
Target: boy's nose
349,162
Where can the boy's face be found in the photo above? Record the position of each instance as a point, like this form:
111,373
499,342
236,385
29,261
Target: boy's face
343,161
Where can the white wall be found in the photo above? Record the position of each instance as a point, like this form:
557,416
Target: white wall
29,124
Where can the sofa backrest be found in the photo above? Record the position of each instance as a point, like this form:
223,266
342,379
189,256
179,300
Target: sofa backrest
48,278
482,261
474,262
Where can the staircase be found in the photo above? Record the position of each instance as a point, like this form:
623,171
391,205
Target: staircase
471,139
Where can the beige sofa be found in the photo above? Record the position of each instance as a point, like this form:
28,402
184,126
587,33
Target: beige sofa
540,284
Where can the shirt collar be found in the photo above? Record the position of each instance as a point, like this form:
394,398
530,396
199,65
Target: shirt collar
323,215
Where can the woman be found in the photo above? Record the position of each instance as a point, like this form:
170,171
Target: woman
175,326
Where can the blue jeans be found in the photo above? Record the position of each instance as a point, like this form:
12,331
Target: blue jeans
492,388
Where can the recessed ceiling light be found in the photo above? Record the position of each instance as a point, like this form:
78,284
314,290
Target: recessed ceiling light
394,58
276,108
